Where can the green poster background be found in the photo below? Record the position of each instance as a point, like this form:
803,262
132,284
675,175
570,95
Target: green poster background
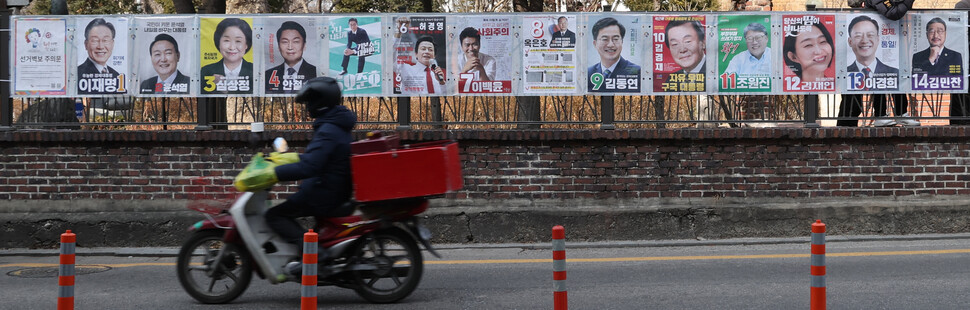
367,81
731,43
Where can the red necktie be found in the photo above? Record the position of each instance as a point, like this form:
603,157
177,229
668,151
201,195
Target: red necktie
430,85
865,74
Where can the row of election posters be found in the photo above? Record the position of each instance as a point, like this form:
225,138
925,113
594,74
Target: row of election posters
493,54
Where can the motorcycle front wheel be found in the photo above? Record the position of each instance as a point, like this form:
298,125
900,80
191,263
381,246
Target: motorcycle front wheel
209,282
389,267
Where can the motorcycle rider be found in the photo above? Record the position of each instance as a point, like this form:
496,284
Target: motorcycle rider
324,165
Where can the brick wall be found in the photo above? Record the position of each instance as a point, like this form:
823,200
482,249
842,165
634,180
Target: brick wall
533,165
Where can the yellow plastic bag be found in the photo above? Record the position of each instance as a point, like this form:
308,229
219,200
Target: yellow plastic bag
258,175
284,158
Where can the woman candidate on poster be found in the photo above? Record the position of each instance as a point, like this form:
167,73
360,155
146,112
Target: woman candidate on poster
232,74
809,54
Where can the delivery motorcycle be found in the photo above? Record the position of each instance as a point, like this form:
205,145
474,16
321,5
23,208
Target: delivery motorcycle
374,251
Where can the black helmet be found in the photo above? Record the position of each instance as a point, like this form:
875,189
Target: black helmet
319,94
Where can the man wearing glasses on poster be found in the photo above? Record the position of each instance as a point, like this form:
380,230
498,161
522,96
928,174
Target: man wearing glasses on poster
757,59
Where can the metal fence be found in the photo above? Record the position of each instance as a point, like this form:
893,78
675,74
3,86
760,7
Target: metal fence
548,112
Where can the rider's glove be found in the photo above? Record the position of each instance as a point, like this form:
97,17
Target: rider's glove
259,174
284,158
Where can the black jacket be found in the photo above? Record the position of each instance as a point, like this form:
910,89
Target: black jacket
891,9
325,164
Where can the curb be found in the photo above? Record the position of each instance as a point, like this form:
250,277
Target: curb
173,251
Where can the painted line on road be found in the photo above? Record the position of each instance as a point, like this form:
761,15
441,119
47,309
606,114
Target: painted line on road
672,258
578,260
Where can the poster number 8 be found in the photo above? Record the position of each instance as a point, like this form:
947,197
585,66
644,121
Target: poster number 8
537,29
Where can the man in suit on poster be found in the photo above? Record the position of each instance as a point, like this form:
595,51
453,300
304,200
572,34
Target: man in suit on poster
937,59
289,76
99,37
165,57
358,36
563,37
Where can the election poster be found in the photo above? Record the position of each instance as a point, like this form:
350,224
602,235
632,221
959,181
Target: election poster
226,51
809,53
160,43
614,55
290,53
39,57
482,55
679,54
419,55
744,53
102,55
355,54
939,45
549,57
871,55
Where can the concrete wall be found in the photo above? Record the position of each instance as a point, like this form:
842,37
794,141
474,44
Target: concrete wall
128,188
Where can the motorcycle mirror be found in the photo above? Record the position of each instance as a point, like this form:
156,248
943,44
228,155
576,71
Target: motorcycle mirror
279,144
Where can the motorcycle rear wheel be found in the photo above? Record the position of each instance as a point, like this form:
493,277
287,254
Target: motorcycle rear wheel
397,267
213,285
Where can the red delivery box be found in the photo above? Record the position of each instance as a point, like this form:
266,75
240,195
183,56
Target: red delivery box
416,170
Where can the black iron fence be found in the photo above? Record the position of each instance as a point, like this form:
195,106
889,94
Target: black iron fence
550,112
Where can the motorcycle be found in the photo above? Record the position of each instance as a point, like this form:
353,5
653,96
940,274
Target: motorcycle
373,252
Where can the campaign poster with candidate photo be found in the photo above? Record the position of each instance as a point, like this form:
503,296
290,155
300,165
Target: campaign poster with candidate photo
290,53
809,53
482,54
679,45
165,53
420,55
939,50
39,61
355,54
614,48
549,57
102,55
744,53
871,53
225,46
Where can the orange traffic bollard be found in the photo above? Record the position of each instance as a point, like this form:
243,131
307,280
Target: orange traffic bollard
818,265
308,293
65,273
560,301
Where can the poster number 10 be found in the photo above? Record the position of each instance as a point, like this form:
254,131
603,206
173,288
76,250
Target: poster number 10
659,37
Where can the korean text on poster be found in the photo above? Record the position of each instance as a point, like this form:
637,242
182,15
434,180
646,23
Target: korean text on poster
102,49
160,44
355,54
419,55
549,57
744,53
227,55
615,41
679,54
39,62
871,53
483,59
809,53
289,54
939,43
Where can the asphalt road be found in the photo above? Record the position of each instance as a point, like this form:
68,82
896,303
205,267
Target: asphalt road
902,274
